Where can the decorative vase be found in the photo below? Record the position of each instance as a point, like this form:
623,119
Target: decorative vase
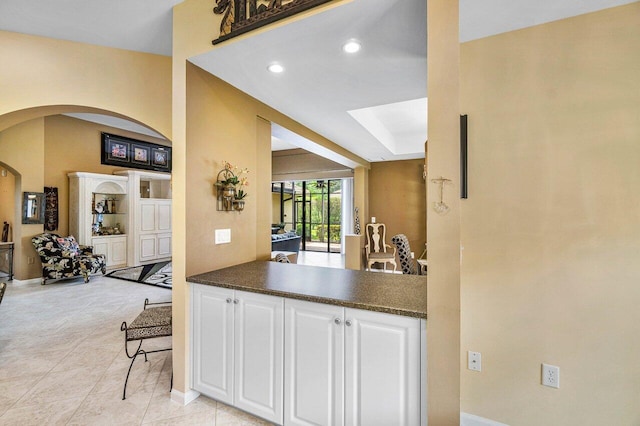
238,205
228,193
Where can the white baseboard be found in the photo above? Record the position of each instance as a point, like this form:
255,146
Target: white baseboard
471,420
184,398
26,282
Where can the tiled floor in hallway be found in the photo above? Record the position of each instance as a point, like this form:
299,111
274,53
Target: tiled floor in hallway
62,360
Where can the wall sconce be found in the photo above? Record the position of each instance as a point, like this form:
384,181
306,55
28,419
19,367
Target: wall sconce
230,188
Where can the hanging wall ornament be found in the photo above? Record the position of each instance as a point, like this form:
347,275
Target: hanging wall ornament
357,220
441,207
51,208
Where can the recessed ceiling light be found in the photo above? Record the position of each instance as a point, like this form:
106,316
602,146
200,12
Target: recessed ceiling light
352,46
275,68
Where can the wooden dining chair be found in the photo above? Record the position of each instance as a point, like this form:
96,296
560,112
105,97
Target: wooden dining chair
377,250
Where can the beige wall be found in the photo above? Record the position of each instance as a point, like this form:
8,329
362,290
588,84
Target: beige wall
210,142
397,199
443,291
41,72
551,229
22,147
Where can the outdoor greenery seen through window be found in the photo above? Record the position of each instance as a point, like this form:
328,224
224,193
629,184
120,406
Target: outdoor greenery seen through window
324,210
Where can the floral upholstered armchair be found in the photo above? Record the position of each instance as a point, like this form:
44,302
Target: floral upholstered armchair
63,257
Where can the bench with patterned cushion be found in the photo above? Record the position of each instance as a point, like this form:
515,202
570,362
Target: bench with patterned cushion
150,323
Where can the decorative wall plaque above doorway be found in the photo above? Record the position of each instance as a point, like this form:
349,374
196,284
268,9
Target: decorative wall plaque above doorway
241,16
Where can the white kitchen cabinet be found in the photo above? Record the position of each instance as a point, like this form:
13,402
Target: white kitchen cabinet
114,248
375,358
212,330
238,349
382,369
314,364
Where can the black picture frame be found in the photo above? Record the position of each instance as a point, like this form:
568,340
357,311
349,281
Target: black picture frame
136,154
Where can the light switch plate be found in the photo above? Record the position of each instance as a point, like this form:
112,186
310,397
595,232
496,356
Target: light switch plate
223,236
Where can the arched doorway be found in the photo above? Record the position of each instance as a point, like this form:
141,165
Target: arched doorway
39,151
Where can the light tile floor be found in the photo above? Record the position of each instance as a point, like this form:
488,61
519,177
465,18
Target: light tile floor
62,360
314,258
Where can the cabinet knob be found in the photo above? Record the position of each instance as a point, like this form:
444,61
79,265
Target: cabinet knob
338,321
348,323
228,300
236,301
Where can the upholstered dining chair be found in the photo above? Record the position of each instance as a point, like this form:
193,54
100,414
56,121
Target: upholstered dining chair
407,264
377,250
281,258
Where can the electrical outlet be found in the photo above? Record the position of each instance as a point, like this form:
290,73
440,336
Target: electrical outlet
551,375
31,260
474,361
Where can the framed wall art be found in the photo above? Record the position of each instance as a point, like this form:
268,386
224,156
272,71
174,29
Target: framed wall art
135,154
141,154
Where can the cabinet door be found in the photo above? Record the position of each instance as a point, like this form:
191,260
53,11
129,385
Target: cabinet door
101,246
382,369
164,245
259,354
314,361
164,215
147,216
118,251
212,357
148,247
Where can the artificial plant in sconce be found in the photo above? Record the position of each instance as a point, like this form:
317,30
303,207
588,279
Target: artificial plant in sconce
240,193
238,203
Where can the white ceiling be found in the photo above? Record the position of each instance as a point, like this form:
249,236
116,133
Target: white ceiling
356,101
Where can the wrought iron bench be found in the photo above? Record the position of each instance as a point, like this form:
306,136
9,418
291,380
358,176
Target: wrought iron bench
151,323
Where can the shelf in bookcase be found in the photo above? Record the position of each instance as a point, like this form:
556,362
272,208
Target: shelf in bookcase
96,213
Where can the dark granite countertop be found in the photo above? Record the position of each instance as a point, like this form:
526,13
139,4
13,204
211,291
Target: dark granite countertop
391,293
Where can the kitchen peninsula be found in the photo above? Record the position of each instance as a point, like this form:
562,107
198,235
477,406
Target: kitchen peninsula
298,344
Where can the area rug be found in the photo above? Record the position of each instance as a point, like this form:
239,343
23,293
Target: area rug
158,274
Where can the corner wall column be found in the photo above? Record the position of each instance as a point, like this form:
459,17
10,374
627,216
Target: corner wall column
443,289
